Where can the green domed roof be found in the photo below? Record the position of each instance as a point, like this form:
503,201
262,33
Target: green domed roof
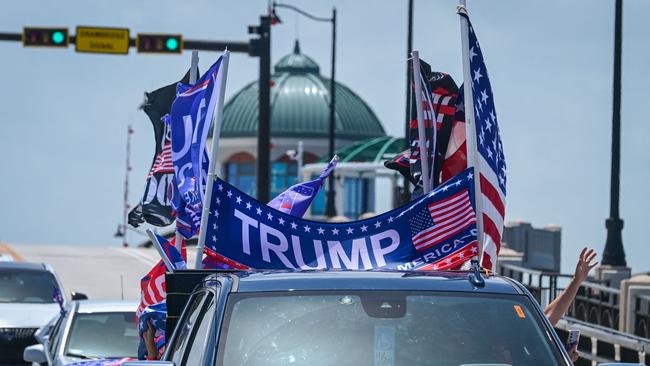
300,105
374,150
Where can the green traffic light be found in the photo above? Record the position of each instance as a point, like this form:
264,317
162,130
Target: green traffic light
172,44
58,37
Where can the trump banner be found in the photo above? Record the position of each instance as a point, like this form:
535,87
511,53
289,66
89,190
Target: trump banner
190,121
435,232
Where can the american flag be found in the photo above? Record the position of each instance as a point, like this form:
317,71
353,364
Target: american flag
491,161
103,362
152,286
441,220
163,162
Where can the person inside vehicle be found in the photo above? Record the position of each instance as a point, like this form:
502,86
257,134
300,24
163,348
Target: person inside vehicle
560,305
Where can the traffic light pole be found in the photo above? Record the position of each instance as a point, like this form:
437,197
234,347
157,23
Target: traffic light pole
189,44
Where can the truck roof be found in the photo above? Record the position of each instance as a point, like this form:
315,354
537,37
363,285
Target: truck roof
368,280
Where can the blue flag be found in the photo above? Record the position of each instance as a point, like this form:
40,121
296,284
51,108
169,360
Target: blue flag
174,256
190,121
58,297
438,231
296,200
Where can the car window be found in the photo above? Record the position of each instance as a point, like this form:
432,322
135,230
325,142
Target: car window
53,337
383,328
184,327
26,286
197,349
102,335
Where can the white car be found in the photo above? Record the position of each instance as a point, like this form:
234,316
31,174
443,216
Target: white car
26,304
89,330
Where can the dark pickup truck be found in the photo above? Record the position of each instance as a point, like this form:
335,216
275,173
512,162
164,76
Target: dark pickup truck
379,318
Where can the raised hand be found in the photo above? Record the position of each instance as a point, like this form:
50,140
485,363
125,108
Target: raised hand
584,265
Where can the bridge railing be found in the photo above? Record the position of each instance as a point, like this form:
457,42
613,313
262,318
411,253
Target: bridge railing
595,302
602,344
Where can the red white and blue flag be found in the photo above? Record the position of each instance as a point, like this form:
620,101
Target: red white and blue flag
441,220
251,234
296,200
491,160
152,286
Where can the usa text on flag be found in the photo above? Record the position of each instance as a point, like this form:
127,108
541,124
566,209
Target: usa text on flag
490,159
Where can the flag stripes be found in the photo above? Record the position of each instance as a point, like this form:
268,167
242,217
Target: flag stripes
450,217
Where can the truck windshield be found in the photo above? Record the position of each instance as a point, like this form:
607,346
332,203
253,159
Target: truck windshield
383,328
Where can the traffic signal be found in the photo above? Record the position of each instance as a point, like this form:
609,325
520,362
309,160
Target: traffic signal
159,43
45,37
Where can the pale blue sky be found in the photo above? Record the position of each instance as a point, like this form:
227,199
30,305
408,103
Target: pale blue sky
65,114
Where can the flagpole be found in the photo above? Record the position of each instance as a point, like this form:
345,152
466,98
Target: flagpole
212,167
470,127
422,141
194,71
161,251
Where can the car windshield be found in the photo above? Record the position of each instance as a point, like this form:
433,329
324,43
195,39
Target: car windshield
26,286
103,335
383,328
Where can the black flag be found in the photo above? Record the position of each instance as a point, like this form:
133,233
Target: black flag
441,92
155,207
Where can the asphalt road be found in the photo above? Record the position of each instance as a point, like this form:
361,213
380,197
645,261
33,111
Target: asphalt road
99,272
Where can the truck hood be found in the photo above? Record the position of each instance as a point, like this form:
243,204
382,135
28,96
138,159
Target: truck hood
17,315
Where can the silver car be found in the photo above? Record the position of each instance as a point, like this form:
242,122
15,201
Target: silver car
89,330
26,304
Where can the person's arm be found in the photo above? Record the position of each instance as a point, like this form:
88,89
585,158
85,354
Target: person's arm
558,307
149,341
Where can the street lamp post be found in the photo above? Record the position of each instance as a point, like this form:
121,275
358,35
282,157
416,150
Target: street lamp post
330,207
614,254
261,47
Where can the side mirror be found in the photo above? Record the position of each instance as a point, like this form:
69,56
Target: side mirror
79,296
35,353
148,363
